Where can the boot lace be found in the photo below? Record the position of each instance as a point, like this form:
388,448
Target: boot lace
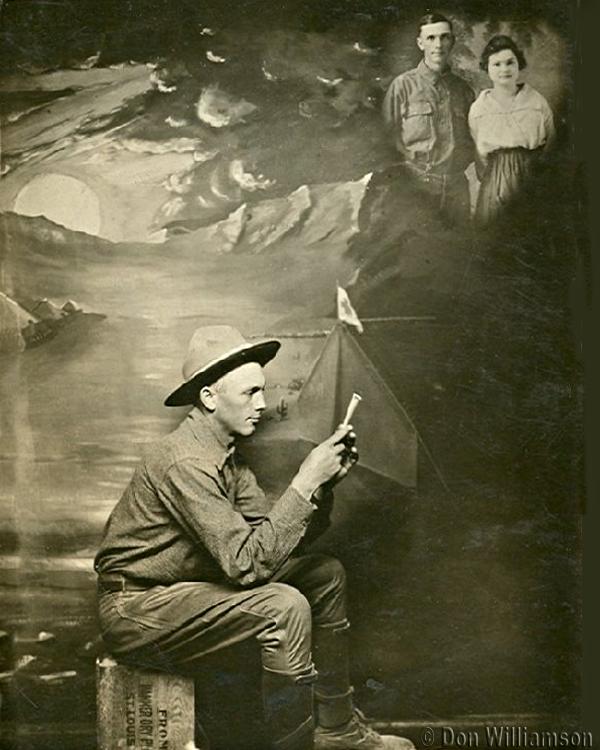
358,723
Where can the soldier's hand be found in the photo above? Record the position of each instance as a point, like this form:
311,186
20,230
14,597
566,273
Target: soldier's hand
324,462
349,459
349,456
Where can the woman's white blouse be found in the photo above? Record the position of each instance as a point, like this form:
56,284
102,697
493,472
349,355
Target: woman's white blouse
524,122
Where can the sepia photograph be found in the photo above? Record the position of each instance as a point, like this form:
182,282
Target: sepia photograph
291,375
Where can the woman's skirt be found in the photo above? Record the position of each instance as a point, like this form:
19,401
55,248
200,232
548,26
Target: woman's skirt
506,171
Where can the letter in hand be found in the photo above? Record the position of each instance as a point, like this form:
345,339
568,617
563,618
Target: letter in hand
349,456
354,402
325,463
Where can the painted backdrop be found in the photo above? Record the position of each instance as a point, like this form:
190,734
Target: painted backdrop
168,165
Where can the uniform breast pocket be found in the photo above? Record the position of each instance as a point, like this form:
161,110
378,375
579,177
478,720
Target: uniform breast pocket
417,125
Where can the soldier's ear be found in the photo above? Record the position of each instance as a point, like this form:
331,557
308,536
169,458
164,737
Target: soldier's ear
206,398
419,43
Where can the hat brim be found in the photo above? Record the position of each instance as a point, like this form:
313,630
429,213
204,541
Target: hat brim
187,393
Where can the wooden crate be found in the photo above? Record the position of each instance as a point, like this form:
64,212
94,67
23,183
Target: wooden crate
143,710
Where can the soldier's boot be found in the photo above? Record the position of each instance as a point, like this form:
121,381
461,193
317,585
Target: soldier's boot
340,725
288,706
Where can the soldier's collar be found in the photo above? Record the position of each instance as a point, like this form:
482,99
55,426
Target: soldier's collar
432,75
212,443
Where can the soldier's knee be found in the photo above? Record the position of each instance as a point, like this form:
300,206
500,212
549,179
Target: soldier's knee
290,605
331,572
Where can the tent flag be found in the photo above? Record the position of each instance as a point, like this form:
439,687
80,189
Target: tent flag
387,439
345,312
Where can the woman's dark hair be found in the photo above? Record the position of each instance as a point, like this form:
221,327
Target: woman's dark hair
498,44
433,18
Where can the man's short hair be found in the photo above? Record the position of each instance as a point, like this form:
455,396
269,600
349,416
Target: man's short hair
433,18
217,386
499,43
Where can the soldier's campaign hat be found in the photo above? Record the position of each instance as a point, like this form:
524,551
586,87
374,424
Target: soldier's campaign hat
213,352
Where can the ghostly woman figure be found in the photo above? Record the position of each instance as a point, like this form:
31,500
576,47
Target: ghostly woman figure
511,124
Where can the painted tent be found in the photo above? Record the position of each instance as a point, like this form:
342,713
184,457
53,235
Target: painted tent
388,438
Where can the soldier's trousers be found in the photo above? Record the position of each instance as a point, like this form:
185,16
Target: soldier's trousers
172,627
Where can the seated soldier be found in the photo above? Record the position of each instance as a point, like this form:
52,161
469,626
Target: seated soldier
194,557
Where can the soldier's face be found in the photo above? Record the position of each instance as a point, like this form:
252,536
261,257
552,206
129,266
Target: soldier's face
436,40
239,399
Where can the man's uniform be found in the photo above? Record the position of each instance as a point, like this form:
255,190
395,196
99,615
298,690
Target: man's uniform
427,114
192,536
195,558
